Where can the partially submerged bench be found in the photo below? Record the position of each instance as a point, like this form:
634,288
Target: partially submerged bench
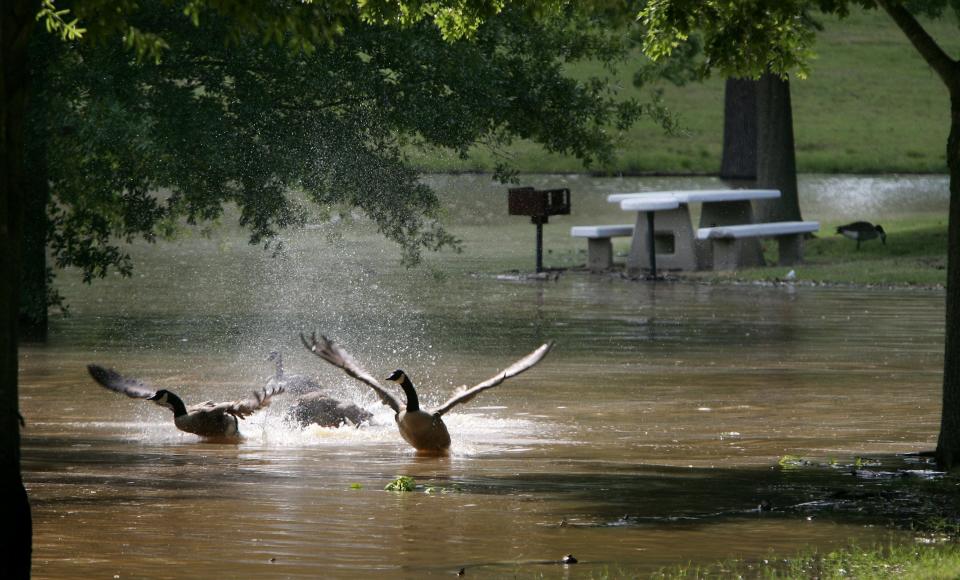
726,241
599,244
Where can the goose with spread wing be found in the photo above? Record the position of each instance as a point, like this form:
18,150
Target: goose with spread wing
312,404
208,420
423,429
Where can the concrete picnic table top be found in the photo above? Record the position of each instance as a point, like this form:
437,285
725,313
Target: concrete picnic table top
697,195
650,203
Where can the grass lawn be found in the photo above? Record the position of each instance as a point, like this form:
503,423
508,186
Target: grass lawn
870,105
914,256
937,560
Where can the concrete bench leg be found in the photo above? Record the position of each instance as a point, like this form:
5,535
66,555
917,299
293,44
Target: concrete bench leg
726,253
671,222
791,249
728,213
599,254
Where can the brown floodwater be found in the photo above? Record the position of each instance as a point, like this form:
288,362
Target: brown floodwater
648,437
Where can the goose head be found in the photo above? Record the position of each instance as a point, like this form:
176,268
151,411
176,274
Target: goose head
277,359
401,378
883,234
165,398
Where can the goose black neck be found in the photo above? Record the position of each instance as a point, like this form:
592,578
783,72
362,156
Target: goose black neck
178,407
279,367
413,402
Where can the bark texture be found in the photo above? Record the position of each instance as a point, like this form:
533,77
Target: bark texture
776,162
948,443
738,167
16,22
948,69
34,300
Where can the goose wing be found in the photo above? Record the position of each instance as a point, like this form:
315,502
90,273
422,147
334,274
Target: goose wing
511,371
333,354
114,381
243,407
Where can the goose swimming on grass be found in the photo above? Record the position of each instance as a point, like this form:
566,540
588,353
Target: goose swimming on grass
208,420
862,232
423,429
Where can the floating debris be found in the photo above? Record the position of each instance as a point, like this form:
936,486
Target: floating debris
401,483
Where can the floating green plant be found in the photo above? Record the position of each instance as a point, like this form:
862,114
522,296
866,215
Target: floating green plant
401,483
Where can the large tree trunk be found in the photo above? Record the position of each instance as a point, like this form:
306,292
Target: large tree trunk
948,445
738,167
776,162
34,290
948,69
16,21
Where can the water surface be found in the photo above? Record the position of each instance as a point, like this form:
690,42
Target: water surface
648,437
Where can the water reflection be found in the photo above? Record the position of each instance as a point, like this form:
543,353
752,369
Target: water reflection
648,437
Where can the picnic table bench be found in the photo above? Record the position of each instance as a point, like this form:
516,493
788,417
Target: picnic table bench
725,241
599,243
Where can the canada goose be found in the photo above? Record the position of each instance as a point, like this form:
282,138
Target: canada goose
862,232
207,419
312,405
422,429
292,384
317,407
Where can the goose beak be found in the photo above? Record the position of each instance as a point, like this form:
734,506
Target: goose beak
395,375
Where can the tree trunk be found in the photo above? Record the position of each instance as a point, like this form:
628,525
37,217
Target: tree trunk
34,291
948,444
16,21
776,162
738,167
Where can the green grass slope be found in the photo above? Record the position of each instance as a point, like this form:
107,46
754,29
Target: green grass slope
870,105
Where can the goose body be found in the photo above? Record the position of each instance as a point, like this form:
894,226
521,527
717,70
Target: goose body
423,429
312,405
316,407
426,432
862,232
208,419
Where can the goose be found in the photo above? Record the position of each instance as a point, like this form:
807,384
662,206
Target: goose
325,411
292,384
862,232
312,405
208,420
423,429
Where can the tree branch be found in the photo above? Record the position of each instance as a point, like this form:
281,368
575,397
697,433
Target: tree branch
939,61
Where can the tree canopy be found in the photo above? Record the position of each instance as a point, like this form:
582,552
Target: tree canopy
228,119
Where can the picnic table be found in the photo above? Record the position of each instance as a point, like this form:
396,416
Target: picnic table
674,231
664,236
